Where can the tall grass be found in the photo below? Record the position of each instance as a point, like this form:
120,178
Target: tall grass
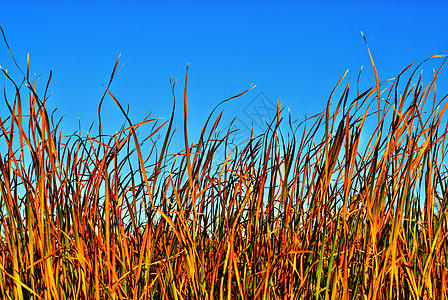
308,214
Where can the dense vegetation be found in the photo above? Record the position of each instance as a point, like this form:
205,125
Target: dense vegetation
308,214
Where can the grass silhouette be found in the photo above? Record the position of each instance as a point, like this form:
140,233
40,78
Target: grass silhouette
308,215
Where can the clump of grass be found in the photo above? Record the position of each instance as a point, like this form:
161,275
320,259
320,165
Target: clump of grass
309,215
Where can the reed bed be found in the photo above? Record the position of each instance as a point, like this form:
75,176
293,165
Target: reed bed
311,214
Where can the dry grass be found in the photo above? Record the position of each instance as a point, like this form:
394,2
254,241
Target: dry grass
307,215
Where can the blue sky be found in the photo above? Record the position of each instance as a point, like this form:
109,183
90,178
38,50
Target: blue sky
293,52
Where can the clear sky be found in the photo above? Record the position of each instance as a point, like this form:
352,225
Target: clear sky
294,52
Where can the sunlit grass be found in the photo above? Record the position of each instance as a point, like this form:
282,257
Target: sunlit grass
298,215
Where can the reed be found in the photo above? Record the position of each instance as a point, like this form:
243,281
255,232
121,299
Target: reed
307,214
